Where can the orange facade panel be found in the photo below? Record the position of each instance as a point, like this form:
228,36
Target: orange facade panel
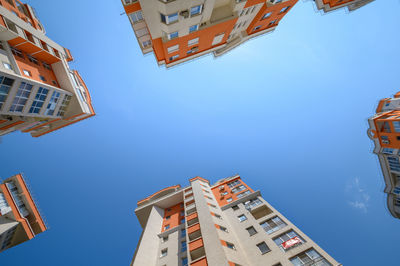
193,228
192,216
195,244
173,217
132,8
201,262
224,194
205,39
269,17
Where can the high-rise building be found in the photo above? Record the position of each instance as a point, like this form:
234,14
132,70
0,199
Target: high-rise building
39,93
20,219
180,30
227,223
384,130
330,5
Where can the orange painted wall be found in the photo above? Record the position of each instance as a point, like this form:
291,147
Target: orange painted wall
276,15
132,7
206,37
36,70
175,216
193,228
191,216
333,3
20,14
222,201
202,262
198,243
392,136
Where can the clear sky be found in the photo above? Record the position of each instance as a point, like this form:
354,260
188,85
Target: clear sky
287,111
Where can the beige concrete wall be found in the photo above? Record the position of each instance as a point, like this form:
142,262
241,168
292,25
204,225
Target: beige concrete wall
147,253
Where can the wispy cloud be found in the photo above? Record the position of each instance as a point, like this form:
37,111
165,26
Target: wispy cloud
359,198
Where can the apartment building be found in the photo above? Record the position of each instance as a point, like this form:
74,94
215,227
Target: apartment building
180,30
20,219
39,93
384,130
226,223
330,5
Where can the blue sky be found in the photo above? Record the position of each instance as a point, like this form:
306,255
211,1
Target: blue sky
287,111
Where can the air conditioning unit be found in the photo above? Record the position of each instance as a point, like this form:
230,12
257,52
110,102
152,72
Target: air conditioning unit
184,13
221,187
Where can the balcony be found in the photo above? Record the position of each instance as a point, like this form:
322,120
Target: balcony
194,231
196,249
202,261
192,219
30,44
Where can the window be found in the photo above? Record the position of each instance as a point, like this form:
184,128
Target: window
251,230
164,253
229,200
242,218
174,57
247,192
42,78
168,217
212,205
40,97
183,246
234,183
185,261
172,49
193,28
166,227
182,213
168,19
7,65
396,125
47,66
230,245
238,189
266,15
169,209
5,85
164,239
272,22
224,193
252,203
146,43
288,240
33,60
222,228
263,247
51,106
273,225
64,105
394,163
284,9
27,72
218,38
256,28
218,216
182,220
183,233
22,96
136,16
235,207
173,35
309,257
196,10
17,52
